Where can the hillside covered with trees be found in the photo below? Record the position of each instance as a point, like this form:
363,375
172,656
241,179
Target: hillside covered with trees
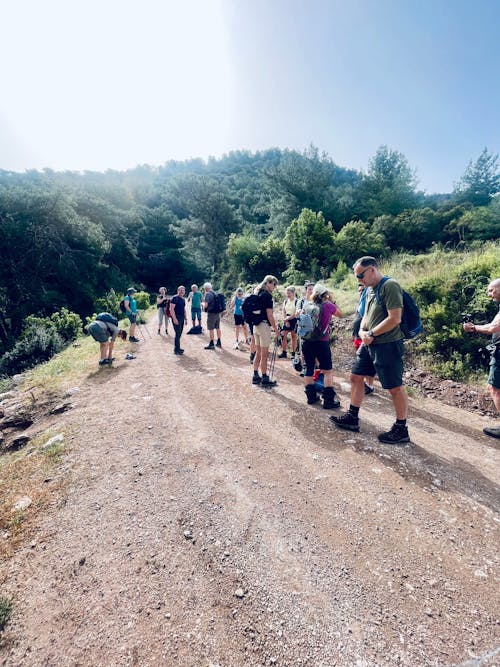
69,238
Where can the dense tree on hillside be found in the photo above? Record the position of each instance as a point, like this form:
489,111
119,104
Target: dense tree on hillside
481,180
310,245
357,238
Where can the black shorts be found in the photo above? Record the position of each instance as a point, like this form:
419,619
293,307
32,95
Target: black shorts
494,376
238,320
320,350
289,325
384,360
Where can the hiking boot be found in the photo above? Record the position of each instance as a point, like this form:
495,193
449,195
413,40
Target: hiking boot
104,362
256,379
252,357
368,389
397,434
330,400
346,421
267,382
218,343
133,339
210,346
282,355
179,351
236,346
159,332
492,431
311,393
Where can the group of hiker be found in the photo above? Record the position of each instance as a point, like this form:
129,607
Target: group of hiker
383,319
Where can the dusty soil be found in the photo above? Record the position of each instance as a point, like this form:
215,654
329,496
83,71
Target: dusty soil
208,522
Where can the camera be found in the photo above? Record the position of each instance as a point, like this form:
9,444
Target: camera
467,317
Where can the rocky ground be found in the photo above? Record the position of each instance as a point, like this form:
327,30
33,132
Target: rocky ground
208,522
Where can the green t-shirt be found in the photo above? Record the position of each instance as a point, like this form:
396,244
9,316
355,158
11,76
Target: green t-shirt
196,299
391,296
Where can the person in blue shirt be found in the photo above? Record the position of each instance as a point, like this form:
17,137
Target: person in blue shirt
131,312
239,321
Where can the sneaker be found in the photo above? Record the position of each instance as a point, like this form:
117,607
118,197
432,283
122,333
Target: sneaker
282,355
104,362
178,351
256,379
368,389
267,382
252,357
236,346
218,343
396,435
346,421
492,431
210,346
133,339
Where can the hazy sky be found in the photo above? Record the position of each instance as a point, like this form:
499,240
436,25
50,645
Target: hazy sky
98,84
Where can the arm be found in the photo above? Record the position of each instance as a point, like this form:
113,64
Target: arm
490,328
172,313
271,320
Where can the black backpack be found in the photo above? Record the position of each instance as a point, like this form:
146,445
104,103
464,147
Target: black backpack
106,317
411,324
122,306
252,310
218,304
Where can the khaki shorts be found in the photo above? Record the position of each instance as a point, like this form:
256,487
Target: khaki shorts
262,334
213,321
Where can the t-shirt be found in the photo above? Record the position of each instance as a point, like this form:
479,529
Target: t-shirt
179,307
290,306
163,303
327,310
391,297
209,300
266,301
195,299
108,327
132,303
238,300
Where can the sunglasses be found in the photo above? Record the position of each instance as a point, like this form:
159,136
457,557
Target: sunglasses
360,276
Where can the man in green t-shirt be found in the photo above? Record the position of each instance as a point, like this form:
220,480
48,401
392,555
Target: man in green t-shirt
381,352
195,298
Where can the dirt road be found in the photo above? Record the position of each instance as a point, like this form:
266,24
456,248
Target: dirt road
209,522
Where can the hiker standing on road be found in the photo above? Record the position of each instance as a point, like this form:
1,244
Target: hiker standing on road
289,322
213,316
131,311
492,328
319,349
104,329
239,321
194,299
262,331
179,317
382,350
163,306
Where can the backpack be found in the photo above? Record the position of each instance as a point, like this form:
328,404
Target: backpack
122,306
252,311
411,324
308,323
106,317
218,303
166,307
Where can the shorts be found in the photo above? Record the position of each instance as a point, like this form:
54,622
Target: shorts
262,334
384,360
98,333
320,350
494,376
132,317
290,325
239,320
213,321
196,314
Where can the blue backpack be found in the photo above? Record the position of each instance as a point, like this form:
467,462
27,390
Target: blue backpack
411,324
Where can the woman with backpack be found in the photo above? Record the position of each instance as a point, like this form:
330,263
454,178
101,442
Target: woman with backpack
239,320
262,330
317,346
163,307
289,322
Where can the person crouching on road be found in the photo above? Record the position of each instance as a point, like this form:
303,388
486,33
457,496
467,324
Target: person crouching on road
131,312
262,331
178,315
492,328
104,329
319,349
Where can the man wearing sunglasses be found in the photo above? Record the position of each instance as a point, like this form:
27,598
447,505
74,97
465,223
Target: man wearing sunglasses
381,352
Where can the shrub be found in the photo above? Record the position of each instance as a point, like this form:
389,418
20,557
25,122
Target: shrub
109,303
68,325
5,611
37,343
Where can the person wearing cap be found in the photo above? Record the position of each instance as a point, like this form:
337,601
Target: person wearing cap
131,311
239,321
104,329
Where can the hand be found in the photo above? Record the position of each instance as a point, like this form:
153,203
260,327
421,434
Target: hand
470,327
367,340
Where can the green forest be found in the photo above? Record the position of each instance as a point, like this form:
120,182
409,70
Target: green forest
71,239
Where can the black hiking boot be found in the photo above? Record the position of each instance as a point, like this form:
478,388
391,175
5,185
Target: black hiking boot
368,389
492,431
312,394
133,339
283,355
218,344
256,378
179,351
397,434
210,346
267,382
330,400
346,421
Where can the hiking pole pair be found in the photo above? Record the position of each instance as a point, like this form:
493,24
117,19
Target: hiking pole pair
272,363
145,327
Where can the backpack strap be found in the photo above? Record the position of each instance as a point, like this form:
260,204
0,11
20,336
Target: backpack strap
377,290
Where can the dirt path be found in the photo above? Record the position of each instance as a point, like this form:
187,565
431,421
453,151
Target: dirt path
211,523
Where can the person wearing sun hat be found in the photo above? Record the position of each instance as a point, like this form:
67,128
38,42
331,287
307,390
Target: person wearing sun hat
131,312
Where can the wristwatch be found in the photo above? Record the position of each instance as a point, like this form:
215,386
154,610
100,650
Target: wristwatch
370,333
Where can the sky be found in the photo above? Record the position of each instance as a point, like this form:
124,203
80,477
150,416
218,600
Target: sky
110,84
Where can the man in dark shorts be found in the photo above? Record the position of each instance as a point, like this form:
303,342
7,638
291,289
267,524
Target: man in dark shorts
492,328
178,315
381,352
213,317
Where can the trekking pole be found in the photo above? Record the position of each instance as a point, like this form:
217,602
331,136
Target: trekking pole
272,363
144,325
141,332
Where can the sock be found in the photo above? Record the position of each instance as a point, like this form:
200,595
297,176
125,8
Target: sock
401,422
256,373
353,410
218,341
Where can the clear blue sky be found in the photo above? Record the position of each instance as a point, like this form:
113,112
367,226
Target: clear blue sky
100,84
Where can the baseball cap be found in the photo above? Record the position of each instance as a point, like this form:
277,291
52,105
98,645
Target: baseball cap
131,290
